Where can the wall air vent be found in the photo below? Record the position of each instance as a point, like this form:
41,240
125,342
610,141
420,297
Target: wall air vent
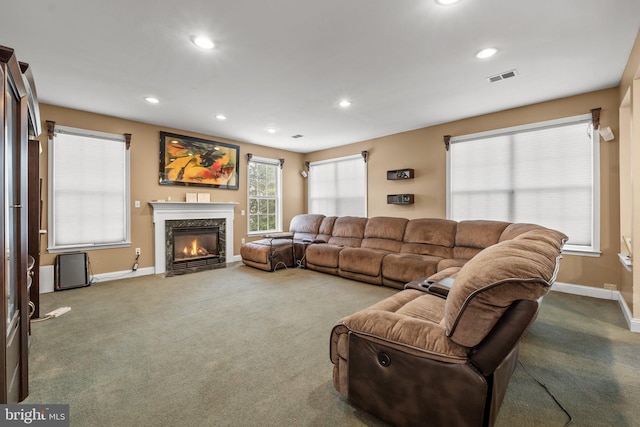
502,76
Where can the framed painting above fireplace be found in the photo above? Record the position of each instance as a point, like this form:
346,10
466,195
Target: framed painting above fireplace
189,161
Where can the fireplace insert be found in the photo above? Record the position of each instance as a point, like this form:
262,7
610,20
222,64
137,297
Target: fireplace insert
194,245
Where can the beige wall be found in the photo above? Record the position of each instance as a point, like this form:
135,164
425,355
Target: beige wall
423,150
145,148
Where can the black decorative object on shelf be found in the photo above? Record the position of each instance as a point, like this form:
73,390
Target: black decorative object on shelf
400,174
400,199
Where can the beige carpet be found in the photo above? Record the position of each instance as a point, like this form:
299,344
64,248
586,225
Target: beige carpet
242,347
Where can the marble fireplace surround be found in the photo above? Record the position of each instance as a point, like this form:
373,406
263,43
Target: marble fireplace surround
166,211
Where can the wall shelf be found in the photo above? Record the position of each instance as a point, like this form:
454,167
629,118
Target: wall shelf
400,199
397,174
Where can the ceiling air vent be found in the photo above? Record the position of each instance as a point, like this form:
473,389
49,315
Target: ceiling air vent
297,136
502,76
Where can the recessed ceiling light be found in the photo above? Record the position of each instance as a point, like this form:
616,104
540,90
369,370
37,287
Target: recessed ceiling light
271,130
203,42
446,2
151,100
221,117
345,103
486,53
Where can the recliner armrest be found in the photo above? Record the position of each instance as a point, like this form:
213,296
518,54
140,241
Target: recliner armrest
439,288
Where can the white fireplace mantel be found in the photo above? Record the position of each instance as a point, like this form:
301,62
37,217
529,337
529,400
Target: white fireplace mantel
167,211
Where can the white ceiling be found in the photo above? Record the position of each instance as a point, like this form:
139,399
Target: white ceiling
405,64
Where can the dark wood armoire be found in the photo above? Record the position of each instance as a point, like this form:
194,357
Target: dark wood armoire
19,121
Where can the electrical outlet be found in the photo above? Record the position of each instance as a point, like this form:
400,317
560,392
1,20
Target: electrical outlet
611,286
242,240
137,251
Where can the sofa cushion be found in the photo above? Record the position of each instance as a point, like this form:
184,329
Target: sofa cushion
305,226
429,236
326,227
257,251
451,262
407,267
519,269
384,233
433,231
474,236
361,260
323,255
409,318
348,231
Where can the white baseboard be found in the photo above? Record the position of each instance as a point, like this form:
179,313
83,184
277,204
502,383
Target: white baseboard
114,275
47,280
236,258
588,291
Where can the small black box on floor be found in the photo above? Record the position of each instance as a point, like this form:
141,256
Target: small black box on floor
71,271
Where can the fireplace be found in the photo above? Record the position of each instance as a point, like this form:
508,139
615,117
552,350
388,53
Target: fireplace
194,245
171,215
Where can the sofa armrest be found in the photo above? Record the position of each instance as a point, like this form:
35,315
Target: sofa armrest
504,336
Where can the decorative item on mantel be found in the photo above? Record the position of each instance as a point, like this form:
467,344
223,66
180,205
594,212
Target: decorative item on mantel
191,197
204,198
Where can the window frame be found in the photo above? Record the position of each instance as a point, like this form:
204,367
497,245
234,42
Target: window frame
52,247
594,248
363,158
278,198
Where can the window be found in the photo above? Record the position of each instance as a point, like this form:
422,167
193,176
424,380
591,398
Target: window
546,173
338,187
265,195
88,190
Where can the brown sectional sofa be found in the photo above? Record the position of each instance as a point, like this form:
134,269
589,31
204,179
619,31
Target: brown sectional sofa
385,251
441,351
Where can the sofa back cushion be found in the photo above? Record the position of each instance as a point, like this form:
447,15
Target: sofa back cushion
522,268
326,227
516,229
384,233
474,236
305,226
429,236
348,231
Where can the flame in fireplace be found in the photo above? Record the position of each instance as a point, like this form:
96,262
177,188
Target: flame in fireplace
195,249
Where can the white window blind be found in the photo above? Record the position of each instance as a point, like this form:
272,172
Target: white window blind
265,195
547,174
338,187
88,190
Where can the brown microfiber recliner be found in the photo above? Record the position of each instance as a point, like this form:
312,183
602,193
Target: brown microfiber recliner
431,357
